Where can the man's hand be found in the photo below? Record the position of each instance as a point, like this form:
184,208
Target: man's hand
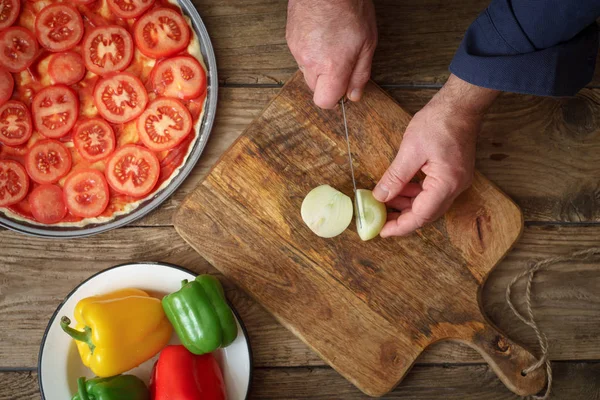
333,42
440,141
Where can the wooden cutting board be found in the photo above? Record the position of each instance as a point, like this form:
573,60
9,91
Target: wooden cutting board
369,309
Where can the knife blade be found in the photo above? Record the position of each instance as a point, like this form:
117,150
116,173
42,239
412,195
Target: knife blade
356,199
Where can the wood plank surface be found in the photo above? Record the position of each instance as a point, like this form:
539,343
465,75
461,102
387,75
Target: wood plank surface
21,385
547,162
471,382
36,274
577,380
417,39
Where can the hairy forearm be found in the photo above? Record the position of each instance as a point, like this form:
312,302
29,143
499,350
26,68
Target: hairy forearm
465,98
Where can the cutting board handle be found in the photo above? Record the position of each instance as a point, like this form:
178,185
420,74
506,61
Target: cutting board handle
508,360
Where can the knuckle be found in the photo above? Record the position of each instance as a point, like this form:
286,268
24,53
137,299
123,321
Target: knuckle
371,44
422,220
327,66
395,177
361,77
305,59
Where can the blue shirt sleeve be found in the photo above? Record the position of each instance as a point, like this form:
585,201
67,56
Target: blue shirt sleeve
541,47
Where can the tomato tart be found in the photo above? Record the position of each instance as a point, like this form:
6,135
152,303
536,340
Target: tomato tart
100,105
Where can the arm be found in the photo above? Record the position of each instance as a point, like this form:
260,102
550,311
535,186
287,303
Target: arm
333,42
543,47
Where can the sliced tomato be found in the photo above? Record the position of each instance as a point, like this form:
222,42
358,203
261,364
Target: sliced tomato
84,1
9,11
13,152
94,139
129,8
14,182
15,123
47,204
86,193
18,48
7,85
164,124
47,161
59,27
120,98
107,49
66,68
132,170
161,32
180,77
55,110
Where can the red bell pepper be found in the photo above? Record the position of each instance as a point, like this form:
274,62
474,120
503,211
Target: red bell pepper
181,375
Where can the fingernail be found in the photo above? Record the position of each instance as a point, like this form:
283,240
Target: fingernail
355,95
381,192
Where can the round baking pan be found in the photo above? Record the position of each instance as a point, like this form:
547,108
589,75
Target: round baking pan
160,196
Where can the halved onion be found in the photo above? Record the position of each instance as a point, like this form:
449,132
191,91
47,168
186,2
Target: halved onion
326,211
371,213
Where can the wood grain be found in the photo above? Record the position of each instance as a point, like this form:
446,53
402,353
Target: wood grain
568,292
547,162
577,380
342,293
473,382
417,39
19,385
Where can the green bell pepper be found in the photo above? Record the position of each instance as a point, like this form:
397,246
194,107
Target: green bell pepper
200,315
120,387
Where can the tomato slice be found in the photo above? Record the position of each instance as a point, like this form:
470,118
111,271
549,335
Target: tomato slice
66,68
164,124
7,85
129,8
86,193
55,110
15,123
59,27
132,170
9,11
47,204
161,32
107,49
94,139
14,182
120,98
18,48
180,77
47,161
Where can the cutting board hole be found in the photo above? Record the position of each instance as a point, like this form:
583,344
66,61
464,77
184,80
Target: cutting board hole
523,373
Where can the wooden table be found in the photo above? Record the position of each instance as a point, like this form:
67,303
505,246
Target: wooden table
545,153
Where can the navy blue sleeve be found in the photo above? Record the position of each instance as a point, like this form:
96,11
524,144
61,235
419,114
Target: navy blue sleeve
541,47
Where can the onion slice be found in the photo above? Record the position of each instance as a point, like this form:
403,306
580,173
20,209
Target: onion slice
372,214
326,211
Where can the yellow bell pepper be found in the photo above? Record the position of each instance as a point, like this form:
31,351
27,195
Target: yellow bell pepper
118,331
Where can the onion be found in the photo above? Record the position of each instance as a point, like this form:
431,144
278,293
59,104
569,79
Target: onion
326,211
372,214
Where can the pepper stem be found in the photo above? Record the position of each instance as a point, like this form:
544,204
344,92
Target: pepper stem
184,282
81,389
85,336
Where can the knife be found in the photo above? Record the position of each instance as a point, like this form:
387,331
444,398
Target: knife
357,202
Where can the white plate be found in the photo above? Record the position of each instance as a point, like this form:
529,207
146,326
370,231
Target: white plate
59,365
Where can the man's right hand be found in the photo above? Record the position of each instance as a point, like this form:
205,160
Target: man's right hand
440,141
333,42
